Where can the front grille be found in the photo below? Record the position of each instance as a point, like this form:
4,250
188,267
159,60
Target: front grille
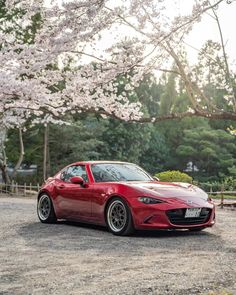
176,216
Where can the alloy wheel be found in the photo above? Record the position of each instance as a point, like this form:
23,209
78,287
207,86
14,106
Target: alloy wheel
44,207
117,216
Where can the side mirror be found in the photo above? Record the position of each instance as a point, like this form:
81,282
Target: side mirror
77,180
156,178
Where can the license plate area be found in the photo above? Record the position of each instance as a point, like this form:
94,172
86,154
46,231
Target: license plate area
192,212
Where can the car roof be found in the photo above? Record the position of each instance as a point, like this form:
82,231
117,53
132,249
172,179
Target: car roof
100,162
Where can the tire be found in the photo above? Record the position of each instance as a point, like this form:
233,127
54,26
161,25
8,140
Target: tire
45,209
197,228
118,217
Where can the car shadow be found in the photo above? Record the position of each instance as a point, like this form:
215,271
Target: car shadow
169,233
165,233
83,225
140,233
69,236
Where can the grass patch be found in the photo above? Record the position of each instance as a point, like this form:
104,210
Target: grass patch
218,197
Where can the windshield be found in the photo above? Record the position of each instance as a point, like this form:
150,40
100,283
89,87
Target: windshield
108,172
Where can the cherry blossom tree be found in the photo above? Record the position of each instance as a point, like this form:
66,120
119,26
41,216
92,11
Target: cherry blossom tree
30,71
36,84
71,30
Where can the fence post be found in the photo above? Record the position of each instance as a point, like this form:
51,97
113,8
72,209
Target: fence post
16,188
222,197
38,187
24,189
30,188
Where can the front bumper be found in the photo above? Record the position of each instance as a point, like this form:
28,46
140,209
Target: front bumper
157,216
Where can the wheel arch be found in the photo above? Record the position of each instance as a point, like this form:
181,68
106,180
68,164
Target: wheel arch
44,191
111,197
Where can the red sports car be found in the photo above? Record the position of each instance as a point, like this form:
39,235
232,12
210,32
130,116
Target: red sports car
123,197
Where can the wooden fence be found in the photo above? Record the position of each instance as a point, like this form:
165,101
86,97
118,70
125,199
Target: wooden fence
222,195
19,189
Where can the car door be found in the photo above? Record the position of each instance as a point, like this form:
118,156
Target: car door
75,200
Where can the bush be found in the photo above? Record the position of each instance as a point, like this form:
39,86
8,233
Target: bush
214,186
227,184
174,176
27,179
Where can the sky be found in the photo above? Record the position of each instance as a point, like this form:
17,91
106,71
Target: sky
207,29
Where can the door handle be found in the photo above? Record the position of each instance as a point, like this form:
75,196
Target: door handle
61,186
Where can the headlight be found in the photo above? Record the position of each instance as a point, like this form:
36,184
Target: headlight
148,200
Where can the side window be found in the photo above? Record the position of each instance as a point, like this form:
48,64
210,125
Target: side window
74,171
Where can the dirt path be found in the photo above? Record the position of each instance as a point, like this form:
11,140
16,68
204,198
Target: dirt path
68,258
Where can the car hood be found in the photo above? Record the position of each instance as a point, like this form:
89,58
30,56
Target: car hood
183,191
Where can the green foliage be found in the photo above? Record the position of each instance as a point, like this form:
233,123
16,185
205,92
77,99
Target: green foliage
80,141
149,94
226,184
169,96
212,151
28,179
229,183
232,171
174,176
157,155
125,141
168,145
214,186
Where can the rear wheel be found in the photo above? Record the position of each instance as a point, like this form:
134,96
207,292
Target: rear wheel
119,218
45,209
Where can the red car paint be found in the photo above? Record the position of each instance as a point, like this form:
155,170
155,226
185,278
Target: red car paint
88,203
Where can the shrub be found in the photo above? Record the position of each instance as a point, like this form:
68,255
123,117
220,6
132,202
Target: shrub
227,184
33,179
214,186
174,176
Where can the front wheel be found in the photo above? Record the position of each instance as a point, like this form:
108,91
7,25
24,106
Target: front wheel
119,218
45,209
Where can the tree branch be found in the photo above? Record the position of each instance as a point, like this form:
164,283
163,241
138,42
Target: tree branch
228,76
179,116
177,28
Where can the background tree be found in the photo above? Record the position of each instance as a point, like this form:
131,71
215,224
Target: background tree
212,151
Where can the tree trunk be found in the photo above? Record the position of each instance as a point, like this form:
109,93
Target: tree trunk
22,152
3,158
45,153
48,157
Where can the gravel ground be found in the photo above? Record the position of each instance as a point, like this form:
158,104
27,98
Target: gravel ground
68,258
